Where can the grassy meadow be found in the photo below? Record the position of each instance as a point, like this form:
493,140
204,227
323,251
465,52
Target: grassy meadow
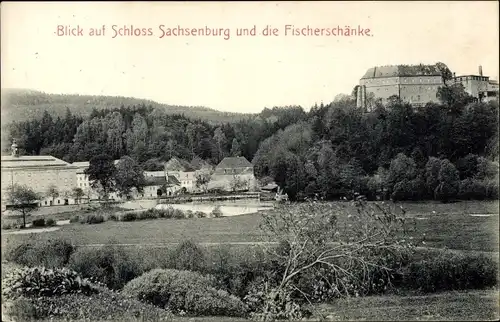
435,225
438,225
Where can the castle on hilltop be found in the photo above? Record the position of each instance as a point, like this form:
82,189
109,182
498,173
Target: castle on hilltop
417,85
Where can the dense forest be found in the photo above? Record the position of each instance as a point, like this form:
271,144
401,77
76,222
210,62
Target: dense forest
437,151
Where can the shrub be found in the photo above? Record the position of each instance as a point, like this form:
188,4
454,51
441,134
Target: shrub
148,214
272,304
237,268
7,225
169,212
188,256
50,222
213,302
492,189
189,214
470,189
200,214
452,271
74,219
103,306
216,213
113,217
48,253
178,214
39,281
184,291
22,309
109,265
128,216
92,219
40,222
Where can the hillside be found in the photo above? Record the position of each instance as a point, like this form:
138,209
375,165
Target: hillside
22,104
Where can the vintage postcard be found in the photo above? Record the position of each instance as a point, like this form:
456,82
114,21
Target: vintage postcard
250,161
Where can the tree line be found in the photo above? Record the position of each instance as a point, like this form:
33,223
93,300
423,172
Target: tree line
437,151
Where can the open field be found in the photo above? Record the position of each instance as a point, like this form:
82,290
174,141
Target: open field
448,306
450,227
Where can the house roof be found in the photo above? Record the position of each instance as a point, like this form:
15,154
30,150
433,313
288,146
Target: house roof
8,161
160,181
172,180
175,164
155,181
154,173
402,70
234,162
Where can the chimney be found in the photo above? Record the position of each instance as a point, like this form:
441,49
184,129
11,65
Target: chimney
454,74
480,70
14,149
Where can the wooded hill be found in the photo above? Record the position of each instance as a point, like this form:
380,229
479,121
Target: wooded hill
22,104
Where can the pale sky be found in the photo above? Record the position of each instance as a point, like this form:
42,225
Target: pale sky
242,74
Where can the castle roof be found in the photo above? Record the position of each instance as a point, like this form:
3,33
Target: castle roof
402,70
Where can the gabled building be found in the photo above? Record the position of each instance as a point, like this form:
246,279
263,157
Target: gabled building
231,170
183,172
234,165
157,186
38,172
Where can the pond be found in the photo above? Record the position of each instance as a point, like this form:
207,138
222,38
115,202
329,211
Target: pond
228,208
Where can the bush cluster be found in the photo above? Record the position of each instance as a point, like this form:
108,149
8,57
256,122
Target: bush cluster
451,271
8,225
227,274
104,306
39,293
39,281
49,253
184,291
109,265
41,222
153,213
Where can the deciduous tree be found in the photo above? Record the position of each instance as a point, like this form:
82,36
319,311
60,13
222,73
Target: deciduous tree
128,175
101,172
23,199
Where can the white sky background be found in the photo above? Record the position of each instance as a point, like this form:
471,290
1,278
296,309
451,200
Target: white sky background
243,74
